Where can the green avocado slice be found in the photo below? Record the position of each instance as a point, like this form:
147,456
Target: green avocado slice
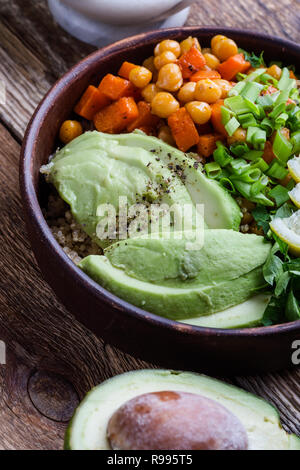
96,169
220,209
165,277
87,429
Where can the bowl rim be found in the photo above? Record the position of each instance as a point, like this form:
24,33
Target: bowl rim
34,211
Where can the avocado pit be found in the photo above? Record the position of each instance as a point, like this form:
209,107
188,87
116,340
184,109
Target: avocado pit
171,420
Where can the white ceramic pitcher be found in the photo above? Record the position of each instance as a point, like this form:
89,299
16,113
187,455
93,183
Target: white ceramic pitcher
100,22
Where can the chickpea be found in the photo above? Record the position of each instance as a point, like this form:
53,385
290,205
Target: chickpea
216,39
69,131
149,92
274,71
186,92
187,43
170,77
140,77
168,45
239,135
224,85
166,57
149,64
199,111
224,49
164,104
207,90
166,136
211,61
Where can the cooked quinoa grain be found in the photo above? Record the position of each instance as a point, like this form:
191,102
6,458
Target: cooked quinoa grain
67,232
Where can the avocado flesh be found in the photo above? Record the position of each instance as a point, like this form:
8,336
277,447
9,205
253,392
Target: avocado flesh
87,429
98,168
248,314
93,170
164,277
220,209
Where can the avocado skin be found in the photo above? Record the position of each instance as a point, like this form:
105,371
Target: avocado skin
260,418
185,283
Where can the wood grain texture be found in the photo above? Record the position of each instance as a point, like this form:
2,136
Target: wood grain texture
51,358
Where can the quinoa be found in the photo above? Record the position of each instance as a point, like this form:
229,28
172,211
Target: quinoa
67,232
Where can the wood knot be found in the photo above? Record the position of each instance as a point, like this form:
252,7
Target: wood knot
52,395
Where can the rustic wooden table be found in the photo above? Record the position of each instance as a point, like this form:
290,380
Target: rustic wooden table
52,360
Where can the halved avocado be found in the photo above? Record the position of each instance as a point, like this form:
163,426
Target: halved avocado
88,427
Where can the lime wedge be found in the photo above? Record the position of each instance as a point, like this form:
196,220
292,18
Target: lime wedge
294,168
295,195
288,230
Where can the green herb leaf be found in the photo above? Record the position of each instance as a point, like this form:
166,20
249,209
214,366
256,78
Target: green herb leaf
272,269
262,218
255,61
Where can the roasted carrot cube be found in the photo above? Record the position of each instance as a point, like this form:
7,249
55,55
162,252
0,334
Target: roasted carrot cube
183,129
115,117
191,62
115,87
91,102
145,117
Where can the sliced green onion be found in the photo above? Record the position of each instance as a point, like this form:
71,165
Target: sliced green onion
213,170
282,97
240,76
268,125
236,90
251,91
277,171
285,82
250,176
282,147
226,115
280,194
256,109
267,101
239,149
221,155
259,139
261,164
245,190
278,109
265,78
295,141
239,166
259,186
252,77
247,120
253,155
227,184
232,126
281,120
237,104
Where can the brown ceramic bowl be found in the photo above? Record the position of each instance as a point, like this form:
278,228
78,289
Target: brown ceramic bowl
131,329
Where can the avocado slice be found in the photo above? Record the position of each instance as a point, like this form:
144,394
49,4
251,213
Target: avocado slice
96,169
220,209
87,429
248,314
188,283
